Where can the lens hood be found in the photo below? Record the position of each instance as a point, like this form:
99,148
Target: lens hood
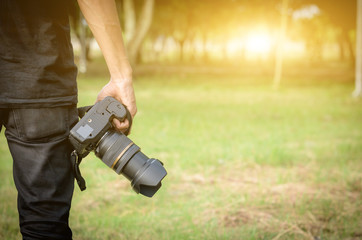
148,179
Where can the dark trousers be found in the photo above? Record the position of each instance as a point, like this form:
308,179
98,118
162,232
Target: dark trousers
38,142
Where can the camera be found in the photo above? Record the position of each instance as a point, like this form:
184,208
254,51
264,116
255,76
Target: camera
95,132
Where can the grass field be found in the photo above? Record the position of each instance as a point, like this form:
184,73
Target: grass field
243,161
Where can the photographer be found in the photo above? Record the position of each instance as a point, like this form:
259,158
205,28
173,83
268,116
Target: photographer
38,97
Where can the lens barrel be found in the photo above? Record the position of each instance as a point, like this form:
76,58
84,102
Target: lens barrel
118,152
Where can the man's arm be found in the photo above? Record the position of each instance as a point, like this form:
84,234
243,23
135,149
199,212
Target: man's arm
102,18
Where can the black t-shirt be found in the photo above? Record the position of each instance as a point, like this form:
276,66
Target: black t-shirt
36,56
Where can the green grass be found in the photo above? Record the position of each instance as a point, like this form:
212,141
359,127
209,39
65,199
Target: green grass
243,161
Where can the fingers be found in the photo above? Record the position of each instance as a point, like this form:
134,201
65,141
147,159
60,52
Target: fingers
121,126
124,93
132,108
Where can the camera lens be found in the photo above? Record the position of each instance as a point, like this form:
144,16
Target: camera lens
119,153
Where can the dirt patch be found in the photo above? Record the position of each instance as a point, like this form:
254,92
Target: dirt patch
246,216
285,202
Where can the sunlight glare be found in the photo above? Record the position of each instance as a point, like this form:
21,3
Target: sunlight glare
258,43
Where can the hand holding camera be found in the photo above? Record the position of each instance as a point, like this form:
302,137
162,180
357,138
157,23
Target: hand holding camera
94,132
122,90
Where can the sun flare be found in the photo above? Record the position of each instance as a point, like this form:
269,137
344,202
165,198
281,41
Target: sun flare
253,45
258,43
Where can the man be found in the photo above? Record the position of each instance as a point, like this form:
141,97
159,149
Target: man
38,97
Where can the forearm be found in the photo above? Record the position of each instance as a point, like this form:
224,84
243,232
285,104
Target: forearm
103,21
102,18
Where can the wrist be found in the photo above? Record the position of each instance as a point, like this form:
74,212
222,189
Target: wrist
122,80
122,73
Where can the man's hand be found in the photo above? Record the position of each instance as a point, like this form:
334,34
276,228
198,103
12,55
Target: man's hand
122,90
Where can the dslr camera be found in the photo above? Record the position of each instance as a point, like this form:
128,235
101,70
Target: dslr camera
95,132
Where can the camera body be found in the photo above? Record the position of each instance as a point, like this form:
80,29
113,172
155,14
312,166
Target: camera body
91,128
94,132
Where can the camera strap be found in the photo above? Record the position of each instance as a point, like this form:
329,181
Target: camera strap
83,110
76,160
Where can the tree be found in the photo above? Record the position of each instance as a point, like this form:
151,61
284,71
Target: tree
358,90
83,35
174,19
342,15
279,52
136,28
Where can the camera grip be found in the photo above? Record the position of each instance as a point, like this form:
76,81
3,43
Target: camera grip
83,110
129,118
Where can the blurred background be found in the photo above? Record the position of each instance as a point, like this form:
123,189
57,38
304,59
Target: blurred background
230,32
253,107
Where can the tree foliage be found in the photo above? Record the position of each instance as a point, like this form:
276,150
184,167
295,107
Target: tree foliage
199,24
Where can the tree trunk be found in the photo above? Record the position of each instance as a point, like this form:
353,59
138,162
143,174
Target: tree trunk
182,49
279,50
142,27
205,55
341,49
129,14
83,44
347,39
358,89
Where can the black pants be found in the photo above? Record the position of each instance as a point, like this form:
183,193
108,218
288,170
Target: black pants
38,142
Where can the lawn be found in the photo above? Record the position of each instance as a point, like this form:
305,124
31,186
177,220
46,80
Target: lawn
244,161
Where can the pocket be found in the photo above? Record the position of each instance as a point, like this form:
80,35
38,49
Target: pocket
42,124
